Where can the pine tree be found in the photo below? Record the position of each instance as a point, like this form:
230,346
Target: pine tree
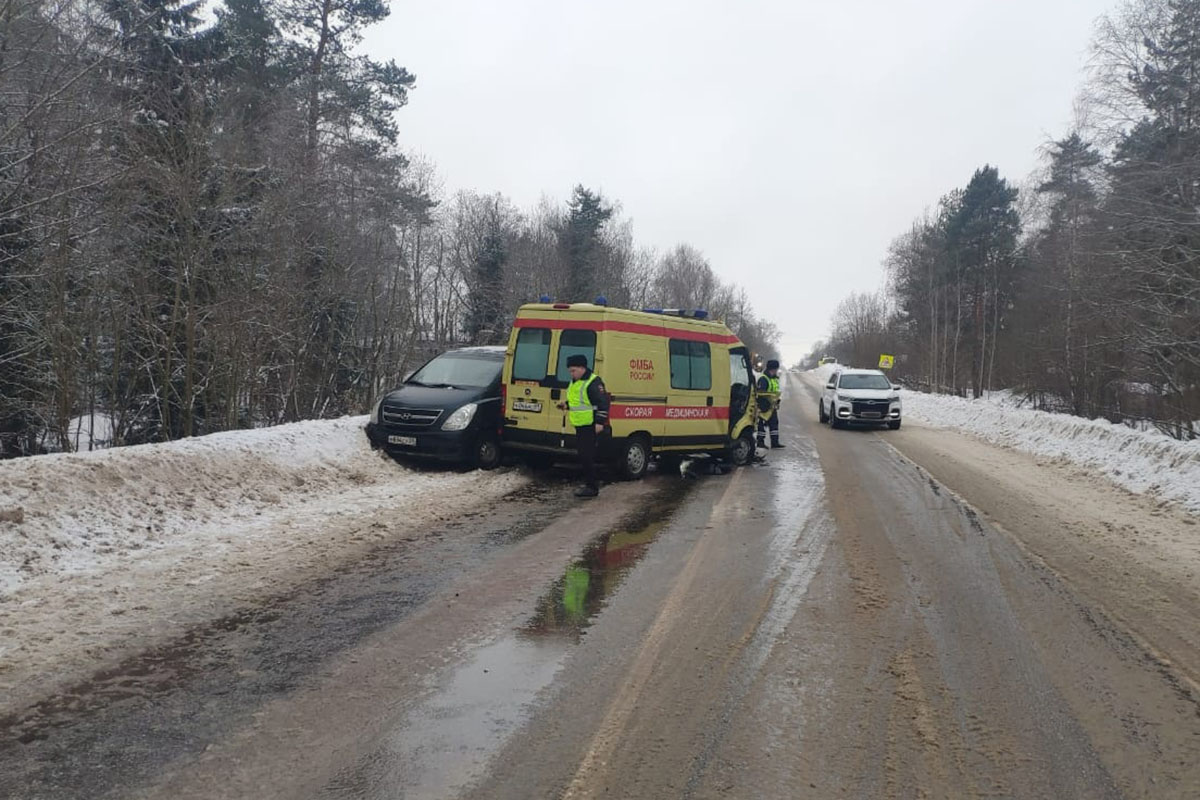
1064,262
581,242
486,318
983,236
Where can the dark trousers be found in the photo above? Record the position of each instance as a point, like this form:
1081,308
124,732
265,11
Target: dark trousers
585,443
772,423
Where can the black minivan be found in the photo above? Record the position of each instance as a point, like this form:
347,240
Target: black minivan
449,410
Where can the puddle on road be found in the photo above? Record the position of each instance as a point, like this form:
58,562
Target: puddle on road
444,744
584,589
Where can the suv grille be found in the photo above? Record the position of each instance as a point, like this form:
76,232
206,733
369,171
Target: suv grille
871,409
406,417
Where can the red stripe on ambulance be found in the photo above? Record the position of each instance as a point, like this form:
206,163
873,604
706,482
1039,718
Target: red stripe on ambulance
622,411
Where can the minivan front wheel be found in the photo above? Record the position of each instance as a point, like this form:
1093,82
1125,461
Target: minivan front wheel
487,452
634,458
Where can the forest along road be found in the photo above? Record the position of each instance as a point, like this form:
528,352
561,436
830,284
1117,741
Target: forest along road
870,614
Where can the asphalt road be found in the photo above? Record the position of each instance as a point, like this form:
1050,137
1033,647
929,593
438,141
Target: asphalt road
851,619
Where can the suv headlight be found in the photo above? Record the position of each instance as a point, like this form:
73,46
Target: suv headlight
845,398
375,410
460,418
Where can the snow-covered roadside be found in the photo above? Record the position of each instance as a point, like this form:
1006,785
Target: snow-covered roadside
100,548
1145,462
1141,461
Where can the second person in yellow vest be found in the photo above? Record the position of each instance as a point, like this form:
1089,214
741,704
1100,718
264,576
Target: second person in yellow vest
768,393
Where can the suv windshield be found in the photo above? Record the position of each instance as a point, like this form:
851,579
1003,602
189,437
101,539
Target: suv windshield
864,382
458,370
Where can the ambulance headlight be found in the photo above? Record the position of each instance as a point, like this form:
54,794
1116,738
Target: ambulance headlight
461,418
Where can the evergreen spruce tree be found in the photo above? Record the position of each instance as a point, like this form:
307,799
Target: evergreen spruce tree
581,242
485,323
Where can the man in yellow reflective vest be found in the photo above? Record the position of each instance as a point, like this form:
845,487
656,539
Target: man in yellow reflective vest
768,398
587,408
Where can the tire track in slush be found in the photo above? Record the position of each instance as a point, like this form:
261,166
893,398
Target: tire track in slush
803,529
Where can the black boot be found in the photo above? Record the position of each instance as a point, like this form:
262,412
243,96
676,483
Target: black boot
761,443
587,491
775,443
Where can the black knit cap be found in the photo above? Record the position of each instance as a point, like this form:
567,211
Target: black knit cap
772,364
577,360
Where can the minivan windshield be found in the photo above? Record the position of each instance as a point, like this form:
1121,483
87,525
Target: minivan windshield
449,370
867,381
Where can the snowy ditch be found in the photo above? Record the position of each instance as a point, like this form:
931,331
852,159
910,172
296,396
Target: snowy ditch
137,540
1145,462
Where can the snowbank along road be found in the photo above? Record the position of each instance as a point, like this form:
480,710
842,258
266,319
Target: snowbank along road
915,613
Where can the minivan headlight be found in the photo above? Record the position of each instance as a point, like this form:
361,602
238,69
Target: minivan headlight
460,418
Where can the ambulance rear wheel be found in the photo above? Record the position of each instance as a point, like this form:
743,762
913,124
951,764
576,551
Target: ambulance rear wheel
633,458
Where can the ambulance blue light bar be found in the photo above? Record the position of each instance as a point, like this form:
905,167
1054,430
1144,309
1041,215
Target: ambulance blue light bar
698,313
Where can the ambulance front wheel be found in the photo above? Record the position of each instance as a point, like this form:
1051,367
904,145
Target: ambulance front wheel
741,452
633,458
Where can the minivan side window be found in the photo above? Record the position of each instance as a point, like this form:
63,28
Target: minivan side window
575,342
532,356
691,365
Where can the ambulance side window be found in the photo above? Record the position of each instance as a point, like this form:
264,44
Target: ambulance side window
532,356
575,342
691,365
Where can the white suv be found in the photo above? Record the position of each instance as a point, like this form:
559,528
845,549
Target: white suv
861,397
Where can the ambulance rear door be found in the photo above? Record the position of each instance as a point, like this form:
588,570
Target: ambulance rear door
569,342
531,416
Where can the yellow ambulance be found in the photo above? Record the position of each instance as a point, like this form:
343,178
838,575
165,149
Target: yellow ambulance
679,383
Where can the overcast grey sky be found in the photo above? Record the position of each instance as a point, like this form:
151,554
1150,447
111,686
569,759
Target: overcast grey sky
790,141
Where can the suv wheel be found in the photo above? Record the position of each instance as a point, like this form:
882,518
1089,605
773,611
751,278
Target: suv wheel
634,458
487,452
821,415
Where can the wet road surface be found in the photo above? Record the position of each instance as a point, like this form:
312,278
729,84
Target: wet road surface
835,623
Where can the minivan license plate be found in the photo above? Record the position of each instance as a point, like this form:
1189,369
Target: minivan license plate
407,441
527,405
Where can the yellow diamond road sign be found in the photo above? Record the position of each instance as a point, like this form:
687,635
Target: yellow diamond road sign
886,361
